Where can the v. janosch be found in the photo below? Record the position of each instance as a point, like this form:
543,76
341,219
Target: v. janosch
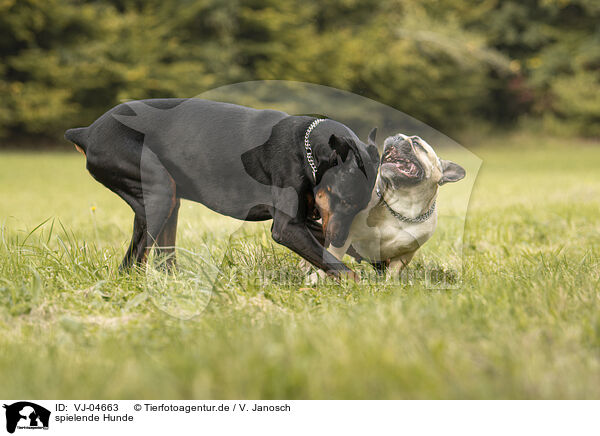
259,408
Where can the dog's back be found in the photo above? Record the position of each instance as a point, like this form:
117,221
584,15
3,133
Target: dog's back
190,137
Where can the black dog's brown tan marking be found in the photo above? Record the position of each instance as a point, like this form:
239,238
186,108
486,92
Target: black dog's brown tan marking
322,205
245,163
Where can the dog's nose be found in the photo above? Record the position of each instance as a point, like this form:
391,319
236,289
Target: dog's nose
401,145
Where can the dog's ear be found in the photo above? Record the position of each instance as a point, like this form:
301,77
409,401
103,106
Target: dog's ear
372,147
334,159
371,138
357,157
339,151
374,155
340,146
451,172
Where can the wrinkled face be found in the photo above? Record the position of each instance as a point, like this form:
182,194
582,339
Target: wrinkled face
409,161
344,191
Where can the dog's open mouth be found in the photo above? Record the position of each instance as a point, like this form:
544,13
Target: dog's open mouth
404,166
402,162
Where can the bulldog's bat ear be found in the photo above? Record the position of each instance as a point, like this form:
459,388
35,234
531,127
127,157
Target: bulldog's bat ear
451,172
339,145
371,138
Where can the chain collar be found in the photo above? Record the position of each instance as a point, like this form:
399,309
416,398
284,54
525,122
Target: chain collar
416,220
309,154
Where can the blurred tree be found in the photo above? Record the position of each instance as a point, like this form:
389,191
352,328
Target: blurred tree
64,62
555,48
36,75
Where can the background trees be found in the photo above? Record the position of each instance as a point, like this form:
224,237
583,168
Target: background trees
64,62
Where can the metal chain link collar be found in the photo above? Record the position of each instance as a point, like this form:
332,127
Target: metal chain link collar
309,154
416,220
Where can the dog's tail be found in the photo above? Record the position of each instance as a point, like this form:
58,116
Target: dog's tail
78,137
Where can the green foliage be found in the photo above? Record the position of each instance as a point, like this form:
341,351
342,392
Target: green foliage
525,322
64,62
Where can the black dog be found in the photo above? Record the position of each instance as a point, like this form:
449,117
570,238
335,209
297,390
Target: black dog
245,163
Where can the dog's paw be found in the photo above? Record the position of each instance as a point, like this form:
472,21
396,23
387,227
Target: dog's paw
306,267
315,278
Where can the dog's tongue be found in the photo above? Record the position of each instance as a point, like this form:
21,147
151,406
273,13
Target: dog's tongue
407,168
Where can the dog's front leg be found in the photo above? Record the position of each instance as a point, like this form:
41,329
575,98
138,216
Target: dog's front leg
397,264
298,238
339,252
381,266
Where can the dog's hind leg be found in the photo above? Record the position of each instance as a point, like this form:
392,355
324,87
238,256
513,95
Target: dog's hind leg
160,200
166,239
135,252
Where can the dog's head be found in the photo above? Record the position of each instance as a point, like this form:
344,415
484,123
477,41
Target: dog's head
409,162
345,188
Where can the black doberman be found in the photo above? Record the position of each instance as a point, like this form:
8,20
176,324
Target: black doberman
245,163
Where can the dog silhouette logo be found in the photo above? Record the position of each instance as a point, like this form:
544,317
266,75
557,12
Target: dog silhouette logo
26,415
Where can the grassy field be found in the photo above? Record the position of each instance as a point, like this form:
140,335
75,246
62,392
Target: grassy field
524,323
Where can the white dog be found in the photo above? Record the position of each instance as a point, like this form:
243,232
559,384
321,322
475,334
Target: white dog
402,213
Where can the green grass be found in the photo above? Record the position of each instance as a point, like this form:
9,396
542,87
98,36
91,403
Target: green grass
524,322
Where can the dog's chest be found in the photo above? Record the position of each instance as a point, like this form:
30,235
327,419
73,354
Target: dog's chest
381,236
